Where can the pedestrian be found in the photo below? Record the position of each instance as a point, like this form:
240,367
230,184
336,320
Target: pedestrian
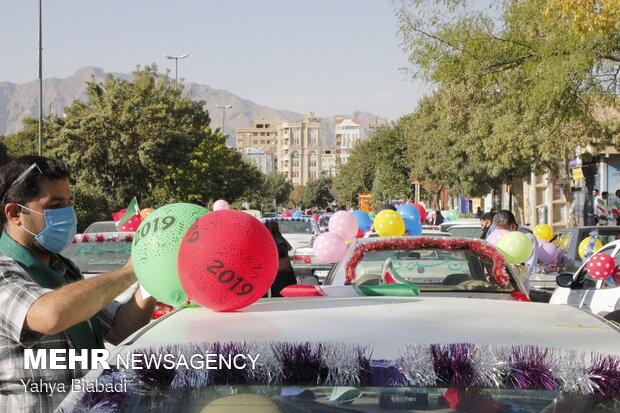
506,220
486,220
615,207
285,275
479,213
601,209
436,217
46,302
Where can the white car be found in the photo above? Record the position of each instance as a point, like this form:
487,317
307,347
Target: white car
298,231
601,297
361,354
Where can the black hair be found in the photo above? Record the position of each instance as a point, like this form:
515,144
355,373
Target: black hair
604,194
28,187
504,218
487,216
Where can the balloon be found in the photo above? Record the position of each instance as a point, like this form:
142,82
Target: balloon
383,207
227,260
220,204
421,210
515,246
362,218
297,214
601,266
496,235
344,224
543,231
329,247
541,241
285,214
389,224
409,211
360,234
372,215
315,217
155,248
145,213
412,227
548,252
583,245
455,214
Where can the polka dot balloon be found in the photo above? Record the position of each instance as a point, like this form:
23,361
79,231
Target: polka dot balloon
389,223
601,266
344,224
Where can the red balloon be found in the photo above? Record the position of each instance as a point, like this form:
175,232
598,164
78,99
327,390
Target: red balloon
360,234
601,266
286,214
422,211
227,260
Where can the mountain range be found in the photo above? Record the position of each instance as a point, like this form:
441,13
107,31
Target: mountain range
22,100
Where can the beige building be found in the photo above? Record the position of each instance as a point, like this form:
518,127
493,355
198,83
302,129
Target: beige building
328,163
296,146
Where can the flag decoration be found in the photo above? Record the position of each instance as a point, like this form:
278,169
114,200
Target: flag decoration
600,205
390,276
615,207
128,219
393,290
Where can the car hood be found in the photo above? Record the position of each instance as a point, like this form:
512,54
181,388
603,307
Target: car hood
386,324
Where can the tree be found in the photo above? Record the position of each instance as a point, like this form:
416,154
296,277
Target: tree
587,16
524,91
317,192
275,189
4,152
295,199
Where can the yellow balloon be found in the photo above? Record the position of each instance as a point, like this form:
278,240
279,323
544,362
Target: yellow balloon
584,244
389,223
543,231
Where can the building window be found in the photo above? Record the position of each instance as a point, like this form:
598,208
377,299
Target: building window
295,174
312,174
295,141
295,163
313,163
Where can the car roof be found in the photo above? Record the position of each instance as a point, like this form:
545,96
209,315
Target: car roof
378,322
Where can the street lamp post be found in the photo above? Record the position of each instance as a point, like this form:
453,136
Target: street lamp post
223,115
176,64
40,83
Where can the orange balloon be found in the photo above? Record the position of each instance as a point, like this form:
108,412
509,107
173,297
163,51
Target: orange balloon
145,212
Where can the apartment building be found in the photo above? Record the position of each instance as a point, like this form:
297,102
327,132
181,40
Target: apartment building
295,146
348,132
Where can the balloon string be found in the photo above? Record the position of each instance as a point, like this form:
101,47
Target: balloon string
593,326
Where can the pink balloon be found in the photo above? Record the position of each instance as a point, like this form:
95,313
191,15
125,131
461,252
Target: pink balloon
601,266
496,235
220,204
344,224
330,247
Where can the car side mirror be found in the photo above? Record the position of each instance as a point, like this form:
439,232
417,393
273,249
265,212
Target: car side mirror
564,280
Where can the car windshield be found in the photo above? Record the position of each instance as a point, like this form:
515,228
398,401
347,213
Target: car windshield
343,399
101,226
99,256
295,227
465,232
431,269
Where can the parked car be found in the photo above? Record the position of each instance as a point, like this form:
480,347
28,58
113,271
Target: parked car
444,226
439,266
298,231
569,261
465,230
580,290
101,227
363,354
97,253
425,233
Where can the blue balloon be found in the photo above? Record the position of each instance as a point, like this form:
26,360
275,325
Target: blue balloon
297,214
409,212
363,220
412,227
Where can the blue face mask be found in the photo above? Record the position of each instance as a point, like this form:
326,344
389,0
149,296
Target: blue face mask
60,228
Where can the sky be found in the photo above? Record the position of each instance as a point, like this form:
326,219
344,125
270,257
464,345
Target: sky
324,56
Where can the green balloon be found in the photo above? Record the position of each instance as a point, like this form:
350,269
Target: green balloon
515,246
155,248
455,214
372,214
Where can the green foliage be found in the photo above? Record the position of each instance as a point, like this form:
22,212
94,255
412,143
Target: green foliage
275,188
140,138
516,94
317,192
295,198
4,152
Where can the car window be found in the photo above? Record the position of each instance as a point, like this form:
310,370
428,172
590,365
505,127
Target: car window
296,227
465,232
99,256
563,240
430,269
586,280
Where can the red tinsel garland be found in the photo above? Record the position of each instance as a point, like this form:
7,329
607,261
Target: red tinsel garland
481,249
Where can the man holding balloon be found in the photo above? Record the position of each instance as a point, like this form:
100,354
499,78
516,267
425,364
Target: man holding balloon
46,301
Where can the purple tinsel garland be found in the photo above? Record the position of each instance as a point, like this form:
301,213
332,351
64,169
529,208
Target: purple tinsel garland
339,364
